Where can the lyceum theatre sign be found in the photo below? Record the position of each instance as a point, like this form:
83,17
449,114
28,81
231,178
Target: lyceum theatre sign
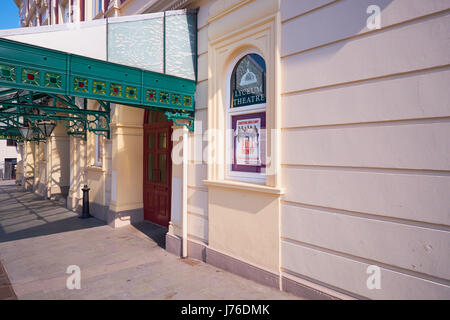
248,85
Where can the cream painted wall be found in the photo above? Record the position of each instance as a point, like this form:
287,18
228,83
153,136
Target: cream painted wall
78,175
41,178
28,166
20,164
84,170
244,225
58,162
134,7
98,174
127,164
45,166
365,146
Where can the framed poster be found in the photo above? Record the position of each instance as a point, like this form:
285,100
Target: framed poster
249,142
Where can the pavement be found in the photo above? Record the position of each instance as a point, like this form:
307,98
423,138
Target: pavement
6,290
40,240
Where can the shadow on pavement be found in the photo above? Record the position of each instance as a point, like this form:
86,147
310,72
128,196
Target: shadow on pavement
154,232
26,215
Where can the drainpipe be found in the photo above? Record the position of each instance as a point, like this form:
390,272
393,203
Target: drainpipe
184,193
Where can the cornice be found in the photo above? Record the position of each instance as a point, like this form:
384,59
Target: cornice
165,5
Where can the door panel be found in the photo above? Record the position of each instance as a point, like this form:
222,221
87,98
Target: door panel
157,171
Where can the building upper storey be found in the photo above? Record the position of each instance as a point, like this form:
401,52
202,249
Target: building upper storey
34,13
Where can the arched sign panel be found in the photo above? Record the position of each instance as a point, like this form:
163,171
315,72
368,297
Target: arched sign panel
248,81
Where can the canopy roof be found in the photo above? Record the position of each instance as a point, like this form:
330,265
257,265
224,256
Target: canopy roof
29,74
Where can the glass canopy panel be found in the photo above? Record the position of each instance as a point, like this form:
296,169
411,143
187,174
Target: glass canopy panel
137,43
164,42
181,44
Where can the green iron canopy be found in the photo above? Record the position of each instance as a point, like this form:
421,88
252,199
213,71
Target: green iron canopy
61,75
21,108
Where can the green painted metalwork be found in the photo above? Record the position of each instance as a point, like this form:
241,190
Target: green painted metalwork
182,119
28,67
22,107
31,76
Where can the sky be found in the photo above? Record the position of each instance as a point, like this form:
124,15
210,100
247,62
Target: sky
9,15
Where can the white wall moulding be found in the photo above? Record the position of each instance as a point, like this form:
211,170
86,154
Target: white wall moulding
237,185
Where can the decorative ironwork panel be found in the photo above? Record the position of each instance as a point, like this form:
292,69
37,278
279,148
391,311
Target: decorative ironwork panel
7,73
115,90
80,84
53,80
30,76
99,87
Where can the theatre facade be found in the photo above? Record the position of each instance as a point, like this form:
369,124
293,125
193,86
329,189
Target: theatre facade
295,143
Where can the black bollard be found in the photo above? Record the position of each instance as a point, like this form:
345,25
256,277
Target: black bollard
85,214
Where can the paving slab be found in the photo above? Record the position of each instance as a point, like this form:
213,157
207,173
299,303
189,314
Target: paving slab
40,239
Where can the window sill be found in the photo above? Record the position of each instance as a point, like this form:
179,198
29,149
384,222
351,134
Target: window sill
95,168
243,186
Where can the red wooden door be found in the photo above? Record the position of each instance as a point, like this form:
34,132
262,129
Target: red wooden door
157,168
